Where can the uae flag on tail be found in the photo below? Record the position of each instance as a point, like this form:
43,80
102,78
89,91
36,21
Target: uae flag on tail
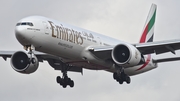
148,31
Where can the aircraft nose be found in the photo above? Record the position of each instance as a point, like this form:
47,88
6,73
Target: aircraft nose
19,32
21,35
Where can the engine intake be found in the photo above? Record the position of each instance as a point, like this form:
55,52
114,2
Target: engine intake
126,55
24,63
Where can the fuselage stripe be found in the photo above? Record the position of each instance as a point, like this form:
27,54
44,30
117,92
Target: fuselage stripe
146,63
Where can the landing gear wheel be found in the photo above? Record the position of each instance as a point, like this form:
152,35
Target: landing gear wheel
71,83
64,85
58,79
121,81
115,76
128,80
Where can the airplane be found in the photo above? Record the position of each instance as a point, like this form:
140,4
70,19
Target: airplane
69,48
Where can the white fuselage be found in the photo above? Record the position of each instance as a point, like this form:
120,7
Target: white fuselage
71,43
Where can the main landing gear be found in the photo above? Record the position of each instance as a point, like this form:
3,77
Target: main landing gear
121,77
64,81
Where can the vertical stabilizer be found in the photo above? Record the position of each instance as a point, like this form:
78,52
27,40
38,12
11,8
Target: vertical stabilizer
148,31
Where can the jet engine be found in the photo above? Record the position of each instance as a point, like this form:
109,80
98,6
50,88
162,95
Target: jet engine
24,63
126,55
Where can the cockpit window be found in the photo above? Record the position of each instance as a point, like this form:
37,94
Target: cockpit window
18,24
24,23
29,23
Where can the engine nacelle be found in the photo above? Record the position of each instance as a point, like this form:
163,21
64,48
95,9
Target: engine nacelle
24,63
126,55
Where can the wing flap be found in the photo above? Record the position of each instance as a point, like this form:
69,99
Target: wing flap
166,59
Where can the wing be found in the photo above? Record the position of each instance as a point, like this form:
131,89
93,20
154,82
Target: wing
159,47
40,56
101,52
54,61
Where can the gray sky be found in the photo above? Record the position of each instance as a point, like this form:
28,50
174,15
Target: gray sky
116,18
